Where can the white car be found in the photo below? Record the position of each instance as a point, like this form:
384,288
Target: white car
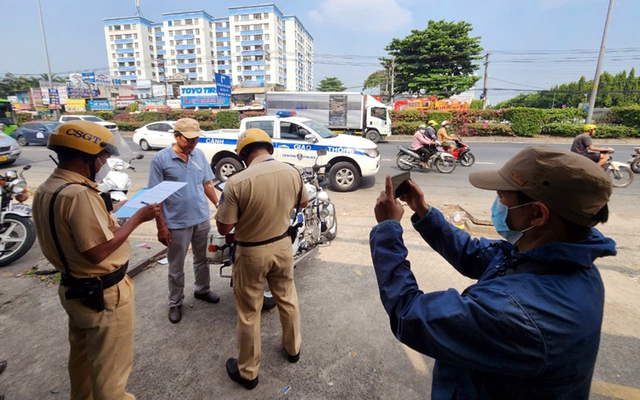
111,126
156,135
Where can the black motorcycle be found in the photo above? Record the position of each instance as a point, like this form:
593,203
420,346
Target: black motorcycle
17,231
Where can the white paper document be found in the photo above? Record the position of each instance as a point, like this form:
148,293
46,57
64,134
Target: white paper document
156,194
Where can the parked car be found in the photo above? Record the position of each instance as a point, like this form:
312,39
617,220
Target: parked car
156,135
35,132
9,150
91,118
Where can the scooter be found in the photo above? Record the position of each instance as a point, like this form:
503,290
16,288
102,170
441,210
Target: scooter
117,182
17,231
621,175
634,161
462,153
407,159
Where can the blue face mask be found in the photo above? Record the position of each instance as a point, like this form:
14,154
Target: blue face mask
499,214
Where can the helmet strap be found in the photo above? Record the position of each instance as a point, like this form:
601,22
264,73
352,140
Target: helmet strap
92,168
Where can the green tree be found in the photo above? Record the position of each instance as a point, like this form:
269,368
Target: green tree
438,60
331,85
378,80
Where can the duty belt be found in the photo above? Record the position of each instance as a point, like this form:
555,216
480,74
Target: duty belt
254,244
108,280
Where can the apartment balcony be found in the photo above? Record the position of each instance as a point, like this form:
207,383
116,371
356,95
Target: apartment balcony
185,46
223,58
226,29
254,32
123,41
253,53
127,77
223,48
159,34
223,39
192,75
161,43
186,56
252,43
129,50
181,37
161,52
185,66
259,72
125,59
127,68
259,62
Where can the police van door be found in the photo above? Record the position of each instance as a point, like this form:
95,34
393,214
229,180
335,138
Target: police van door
292,146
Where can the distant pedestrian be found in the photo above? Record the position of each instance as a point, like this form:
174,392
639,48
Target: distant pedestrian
185,214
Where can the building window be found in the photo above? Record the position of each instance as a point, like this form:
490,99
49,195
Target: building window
113,47
173,70
237,28
189,31
135,35
195,21
257,37
266,37
236,18
197,40
111,27
197,31
137,54
246,37
266,15
135,45
198,50
244,17
268,77
188,22
171,42
257,16
127,27
151,47
200,70
170,33
177,22
190,41
238,49
138,63
116,27
173,52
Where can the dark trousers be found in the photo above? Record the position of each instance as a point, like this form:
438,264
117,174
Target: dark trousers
426,152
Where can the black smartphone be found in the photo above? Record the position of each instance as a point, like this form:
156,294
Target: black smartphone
400,184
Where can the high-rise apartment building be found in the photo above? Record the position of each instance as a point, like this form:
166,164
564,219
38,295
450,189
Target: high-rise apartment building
255,45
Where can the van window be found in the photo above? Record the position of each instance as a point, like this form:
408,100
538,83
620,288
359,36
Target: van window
65,119
266,126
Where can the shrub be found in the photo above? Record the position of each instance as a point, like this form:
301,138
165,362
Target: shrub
228,119
247,114
405,128
208,125
627,116
603,131
564,115
128,126
23,118
105,115
525,121
406,115
132,107
486,129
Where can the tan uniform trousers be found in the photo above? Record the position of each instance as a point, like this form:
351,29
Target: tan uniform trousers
273,261
101,344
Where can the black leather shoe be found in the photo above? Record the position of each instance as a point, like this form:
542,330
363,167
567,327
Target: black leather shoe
234,374
268,303
175,314
293,359
209,297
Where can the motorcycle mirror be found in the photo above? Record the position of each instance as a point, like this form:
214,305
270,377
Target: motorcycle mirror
139,156
322,152
26,167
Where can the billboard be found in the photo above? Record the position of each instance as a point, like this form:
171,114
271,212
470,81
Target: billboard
103,105
158,91
75,105
76,93
201,96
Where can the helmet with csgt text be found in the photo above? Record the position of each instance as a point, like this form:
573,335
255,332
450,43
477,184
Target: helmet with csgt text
83,136
250,137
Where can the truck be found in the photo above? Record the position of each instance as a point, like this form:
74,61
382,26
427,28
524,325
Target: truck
344,112
296,140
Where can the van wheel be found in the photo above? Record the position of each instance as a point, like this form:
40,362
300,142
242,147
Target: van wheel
344,177
227,167
373,135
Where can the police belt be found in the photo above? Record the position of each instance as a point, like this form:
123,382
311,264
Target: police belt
108,280
254,244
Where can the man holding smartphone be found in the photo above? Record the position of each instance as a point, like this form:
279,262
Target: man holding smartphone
530,327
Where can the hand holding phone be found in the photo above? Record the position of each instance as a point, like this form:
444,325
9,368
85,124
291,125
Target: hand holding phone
400,184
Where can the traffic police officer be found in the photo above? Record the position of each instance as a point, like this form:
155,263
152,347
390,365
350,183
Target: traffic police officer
258,202
83,240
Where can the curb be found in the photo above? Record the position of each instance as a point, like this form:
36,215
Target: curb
144,264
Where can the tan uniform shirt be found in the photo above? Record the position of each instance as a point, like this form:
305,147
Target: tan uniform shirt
260,199
82,222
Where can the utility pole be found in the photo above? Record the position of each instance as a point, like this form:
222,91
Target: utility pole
596,79
486,76
393,76
46,52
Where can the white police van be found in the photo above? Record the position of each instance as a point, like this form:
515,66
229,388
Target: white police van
296,141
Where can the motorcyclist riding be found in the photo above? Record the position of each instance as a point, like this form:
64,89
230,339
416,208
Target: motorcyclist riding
422,144
431,131
443,137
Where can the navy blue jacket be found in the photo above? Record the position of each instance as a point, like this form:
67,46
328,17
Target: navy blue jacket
511,336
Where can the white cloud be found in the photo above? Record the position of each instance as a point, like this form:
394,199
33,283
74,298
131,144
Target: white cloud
372,15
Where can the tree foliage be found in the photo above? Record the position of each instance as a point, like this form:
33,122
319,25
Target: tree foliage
378,80
621,89
10,83
438,60
332,84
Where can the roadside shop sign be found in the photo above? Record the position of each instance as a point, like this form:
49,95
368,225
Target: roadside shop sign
102,105
201,96
75,105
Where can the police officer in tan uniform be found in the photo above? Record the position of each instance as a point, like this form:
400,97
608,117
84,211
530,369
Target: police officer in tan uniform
258,202
83,240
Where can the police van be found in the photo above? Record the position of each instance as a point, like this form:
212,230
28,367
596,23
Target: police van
296,141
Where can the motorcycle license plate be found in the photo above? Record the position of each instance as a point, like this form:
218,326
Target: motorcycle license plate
23,208
3,158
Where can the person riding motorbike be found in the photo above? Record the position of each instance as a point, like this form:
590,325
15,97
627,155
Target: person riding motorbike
583,144
431,130
422,144
448,142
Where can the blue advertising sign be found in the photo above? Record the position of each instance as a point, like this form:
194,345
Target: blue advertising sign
223,84
201,96
95,105
81,93
89,77
53,96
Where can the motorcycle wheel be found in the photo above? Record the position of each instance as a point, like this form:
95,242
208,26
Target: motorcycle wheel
635,165
445,166
17,235
329,223
467,159
404,162
621,178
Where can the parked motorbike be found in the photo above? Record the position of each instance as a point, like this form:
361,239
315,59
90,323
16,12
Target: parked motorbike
317,224
17,231
634,161
462,153
620,173
407,159
117,182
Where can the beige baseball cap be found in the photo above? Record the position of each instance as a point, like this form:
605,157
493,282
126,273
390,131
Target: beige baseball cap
188,127
570,184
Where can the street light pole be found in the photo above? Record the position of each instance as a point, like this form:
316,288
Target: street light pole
46,52
596,79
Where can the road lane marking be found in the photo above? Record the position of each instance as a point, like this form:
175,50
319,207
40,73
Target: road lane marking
386,159
417,360
614,391
485,163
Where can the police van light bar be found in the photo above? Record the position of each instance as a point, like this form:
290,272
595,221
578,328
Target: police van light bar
284,114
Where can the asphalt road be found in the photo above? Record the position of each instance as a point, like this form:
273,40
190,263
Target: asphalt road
348,350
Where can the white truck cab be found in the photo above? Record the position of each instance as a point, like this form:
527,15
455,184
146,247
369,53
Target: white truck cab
296,141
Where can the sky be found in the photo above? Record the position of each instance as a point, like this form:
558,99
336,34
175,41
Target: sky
534,44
